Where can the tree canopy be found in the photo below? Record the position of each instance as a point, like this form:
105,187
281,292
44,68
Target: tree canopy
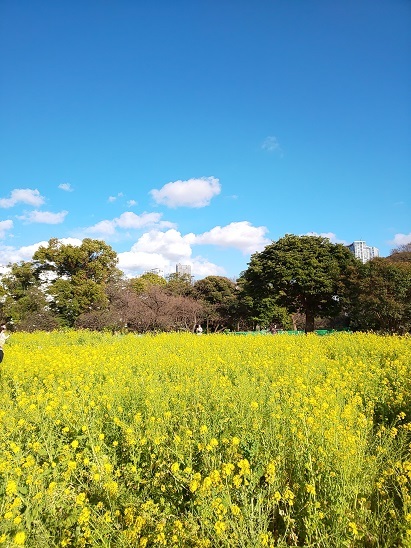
302,273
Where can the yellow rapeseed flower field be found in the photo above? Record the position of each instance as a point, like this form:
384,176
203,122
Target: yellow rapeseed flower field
215,441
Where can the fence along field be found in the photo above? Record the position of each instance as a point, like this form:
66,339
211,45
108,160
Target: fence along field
214,441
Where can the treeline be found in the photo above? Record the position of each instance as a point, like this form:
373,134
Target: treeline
296,282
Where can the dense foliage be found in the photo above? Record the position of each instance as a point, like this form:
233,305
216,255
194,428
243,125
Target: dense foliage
296,282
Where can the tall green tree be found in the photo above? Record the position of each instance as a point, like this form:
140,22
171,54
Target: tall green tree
179,285
382,299
77,276
23,301
142,283
305,274
221,296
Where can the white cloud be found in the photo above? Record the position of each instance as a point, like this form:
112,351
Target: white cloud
330,235
170,244
128,221
202,267
271,144
240,235
401,239
67,187
114,198
131,203
135,263
10,254
191,193
104,228
163,250
4,227
23,195
46,217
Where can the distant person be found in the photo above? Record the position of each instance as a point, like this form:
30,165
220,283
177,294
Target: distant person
198,329
3,339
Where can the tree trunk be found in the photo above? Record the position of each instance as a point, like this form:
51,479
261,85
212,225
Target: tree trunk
309,322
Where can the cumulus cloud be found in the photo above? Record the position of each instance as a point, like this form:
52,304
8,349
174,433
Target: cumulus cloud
46,217
191,193
239,235
4,227
66,186
170,244
163,250
135,263
330,235
401,239
128,221
23,195
10,254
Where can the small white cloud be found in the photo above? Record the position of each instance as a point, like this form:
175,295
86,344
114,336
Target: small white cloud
271,144
330,235
114,198
191,193
240,235
67,187
401,239
4,227
46,217
104,228
128,221
23,195
131,203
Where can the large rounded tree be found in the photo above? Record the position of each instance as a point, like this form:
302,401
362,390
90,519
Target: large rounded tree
305,274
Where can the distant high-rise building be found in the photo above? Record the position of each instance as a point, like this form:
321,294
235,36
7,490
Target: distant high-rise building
363,251
183,269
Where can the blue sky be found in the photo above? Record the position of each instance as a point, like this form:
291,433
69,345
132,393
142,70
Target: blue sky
197,132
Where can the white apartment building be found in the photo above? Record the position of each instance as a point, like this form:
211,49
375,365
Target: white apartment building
363,251
183,269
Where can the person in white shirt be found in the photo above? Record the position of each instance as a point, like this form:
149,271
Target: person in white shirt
198,329
3,339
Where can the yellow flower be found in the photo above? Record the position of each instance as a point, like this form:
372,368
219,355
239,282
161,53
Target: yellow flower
11,488
175,467
310,489
20,538
220,527
193,485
